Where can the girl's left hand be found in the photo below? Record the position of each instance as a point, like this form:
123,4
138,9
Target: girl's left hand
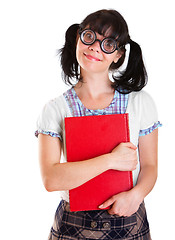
123,204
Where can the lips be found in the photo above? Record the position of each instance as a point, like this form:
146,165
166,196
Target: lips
92,58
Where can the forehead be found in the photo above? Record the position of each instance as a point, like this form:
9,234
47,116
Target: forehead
105,31
105,25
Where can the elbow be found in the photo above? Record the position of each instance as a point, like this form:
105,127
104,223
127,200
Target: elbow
49,188
50,185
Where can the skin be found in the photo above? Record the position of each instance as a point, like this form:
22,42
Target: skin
127,203
96,91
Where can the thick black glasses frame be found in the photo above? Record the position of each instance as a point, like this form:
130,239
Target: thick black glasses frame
95,39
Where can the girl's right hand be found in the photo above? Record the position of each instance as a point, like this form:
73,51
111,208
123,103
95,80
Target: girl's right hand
124,157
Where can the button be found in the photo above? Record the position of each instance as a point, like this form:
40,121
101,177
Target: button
106,225
93,224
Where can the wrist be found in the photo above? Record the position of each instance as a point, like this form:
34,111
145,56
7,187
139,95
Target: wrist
138,193
109,162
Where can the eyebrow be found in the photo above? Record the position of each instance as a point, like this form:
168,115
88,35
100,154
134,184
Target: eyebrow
101,34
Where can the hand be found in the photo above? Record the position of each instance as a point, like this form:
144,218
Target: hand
124,157
123,204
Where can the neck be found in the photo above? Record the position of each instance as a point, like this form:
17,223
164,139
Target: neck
94,84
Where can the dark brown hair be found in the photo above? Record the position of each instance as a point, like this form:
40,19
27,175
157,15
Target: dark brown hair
133,78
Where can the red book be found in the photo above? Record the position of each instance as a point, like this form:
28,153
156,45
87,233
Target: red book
91,136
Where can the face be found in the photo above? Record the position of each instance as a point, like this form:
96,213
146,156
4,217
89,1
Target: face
92,58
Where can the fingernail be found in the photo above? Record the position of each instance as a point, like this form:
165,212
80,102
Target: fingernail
101,206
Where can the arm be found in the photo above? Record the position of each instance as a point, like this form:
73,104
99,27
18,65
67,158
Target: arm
65,176
127,203
148,151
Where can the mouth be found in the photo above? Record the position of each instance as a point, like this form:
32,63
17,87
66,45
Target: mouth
92,58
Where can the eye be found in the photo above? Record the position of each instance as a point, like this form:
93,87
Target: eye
109,45
88,36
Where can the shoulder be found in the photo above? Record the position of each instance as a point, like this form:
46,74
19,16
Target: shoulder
142,100
57,105
55,109
56,102
51,118
144,106
141,96
52,106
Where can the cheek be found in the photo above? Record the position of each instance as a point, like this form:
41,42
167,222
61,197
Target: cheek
79,50
116,56
80,46
109,58
78,54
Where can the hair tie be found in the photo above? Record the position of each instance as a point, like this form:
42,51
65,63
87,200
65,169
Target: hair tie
125,63
118,72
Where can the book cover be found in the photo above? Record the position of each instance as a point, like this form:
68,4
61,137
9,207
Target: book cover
91,136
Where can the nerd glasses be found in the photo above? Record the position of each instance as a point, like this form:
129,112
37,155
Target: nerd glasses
108,45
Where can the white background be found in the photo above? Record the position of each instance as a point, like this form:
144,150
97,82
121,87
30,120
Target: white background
31,32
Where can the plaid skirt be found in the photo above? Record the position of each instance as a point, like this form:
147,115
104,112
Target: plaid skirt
91,225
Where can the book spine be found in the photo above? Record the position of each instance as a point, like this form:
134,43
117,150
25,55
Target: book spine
128,140
126,116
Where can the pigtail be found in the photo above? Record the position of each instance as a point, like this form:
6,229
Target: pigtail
134,78
69,62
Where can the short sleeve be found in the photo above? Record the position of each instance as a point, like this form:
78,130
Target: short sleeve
50,120
148,114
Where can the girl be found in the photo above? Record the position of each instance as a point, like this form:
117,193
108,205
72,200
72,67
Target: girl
98,46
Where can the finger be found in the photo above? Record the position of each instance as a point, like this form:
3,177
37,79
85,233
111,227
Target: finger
107,203
131,145
115,211
111,212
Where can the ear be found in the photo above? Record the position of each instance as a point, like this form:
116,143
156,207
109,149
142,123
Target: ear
117,57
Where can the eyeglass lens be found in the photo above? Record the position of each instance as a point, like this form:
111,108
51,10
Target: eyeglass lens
108,45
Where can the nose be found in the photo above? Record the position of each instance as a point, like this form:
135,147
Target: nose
95,46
